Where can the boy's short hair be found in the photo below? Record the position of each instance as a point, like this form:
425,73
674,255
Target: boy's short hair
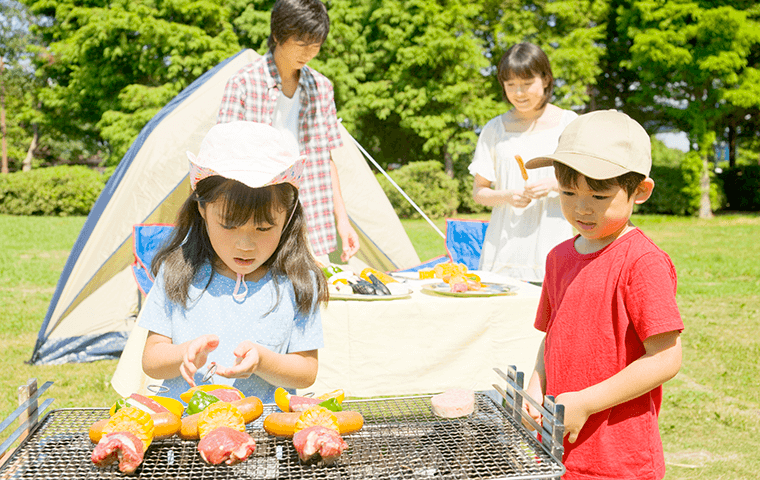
526,60
306,20
601,145
568,177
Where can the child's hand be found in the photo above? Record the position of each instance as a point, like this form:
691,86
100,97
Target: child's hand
195,356
534,414
576,413
246,361
540,188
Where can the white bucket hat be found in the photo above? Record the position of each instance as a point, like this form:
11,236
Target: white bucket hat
252,153
600,145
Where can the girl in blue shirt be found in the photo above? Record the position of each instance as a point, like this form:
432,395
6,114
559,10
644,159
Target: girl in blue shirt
236,285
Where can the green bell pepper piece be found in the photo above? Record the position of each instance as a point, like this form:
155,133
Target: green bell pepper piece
332,405
199,401
121,403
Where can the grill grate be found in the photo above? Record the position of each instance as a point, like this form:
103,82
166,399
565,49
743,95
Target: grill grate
401,439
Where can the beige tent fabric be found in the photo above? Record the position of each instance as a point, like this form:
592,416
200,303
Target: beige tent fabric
156,171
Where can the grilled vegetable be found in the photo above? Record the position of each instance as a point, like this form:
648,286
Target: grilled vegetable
220,414
200,401
250,407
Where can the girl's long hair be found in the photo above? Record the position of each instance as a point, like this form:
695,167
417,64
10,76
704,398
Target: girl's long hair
189,246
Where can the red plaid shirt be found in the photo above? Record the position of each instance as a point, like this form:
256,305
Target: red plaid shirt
251,95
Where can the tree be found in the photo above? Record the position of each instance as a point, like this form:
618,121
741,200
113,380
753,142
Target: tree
113,65
14,53
689,59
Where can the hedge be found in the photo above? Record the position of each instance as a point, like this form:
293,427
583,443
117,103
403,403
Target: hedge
427,185
58,191
741,186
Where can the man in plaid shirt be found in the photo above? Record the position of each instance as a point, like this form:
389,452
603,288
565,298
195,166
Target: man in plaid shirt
280,90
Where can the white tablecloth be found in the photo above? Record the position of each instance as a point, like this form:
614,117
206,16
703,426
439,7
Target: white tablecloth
426,343
423,344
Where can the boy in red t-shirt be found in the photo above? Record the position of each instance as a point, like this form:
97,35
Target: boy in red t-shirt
607,306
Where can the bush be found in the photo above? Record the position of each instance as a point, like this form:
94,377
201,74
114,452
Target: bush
741,186
56,191
427,185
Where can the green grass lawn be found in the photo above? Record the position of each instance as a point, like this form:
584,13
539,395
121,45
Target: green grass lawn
710,421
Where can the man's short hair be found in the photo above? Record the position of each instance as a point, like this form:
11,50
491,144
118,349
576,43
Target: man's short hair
568,176
306,20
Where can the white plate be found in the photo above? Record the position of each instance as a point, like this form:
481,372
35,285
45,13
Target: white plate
368,298
488,290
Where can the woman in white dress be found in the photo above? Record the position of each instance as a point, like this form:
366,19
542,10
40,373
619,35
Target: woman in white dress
526,221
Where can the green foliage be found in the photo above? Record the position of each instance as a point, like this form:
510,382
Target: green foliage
742,187
427,185
108,61
61,191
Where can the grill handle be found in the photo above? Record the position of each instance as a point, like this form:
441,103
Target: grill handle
552,426
28,413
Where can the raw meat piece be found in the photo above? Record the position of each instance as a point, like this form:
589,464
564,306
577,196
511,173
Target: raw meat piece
453,403
225,444
226,394
319,440
122,446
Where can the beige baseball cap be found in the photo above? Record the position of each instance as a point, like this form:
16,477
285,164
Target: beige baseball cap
602,144
252,153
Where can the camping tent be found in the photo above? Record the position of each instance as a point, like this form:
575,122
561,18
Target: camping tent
97,300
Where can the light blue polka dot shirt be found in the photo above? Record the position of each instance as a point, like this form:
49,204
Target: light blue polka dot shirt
214,311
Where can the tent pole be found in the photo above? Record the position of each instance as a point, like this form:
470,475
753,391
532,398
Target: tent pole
419,210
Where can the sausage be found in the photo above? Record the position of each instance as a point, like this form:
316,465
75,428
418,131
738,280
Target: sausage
165,424
282,424
250,407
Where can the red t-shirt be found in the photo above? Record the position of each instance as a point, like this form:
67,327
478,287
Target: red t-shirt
597,310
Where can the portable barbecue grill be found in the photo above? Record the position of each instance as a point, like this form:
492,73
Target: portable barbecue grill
401,439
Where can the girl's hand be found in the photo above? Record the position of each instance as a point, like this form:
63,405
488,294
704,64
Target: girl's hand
576,413
517,198
246,361
196,355
540,188
350,241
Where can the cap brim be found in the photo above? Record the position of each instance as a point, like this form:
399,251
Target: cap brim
596,168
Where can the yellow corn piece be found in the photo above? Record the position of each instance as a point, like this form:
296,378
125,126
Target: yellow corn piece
220,414
317,416
383,277
133,420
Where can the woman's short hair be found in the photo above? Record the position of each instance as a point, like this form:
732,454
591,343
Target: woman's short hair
306,20
526,60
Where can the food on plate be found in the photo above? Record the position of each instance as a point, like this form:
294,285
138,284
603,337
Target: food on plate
226,445
453,403
445,270
457,277
250,408
124,437
521,164
122,446
283,424
383,277
380,288
220,414
426,273
319,443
